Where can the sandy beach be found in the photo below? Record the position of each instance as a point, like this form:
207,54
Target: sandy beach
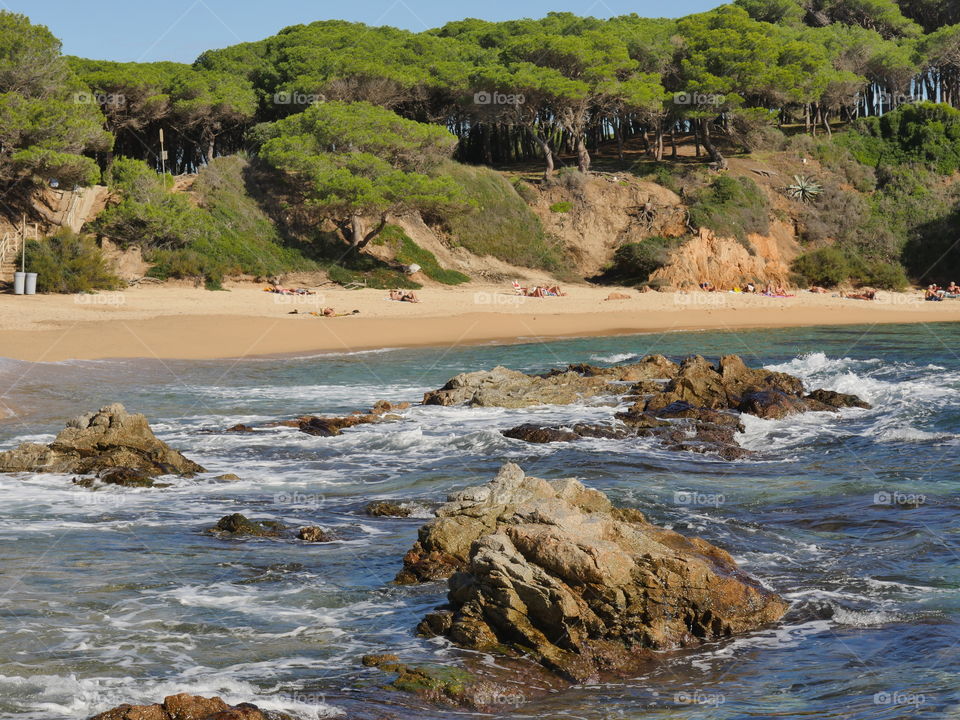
193,323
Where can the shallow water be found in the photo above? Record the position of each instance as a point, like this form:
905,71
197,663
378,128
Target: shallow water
113,596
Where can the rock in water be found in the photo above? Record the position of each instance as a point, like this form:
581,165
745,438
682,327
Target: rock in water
190,707
552,570
386,508
314,534
105,440
502,387
238,525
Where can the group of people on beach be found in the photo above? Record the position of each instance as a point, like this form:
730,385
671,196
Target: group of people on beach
769,290
935,293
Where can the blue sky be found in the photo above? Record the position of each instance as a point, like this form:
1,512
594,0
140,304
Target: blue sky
148,30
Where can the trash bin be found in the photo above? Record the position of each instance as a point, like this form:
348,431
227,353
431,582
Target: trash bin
31,284
19,279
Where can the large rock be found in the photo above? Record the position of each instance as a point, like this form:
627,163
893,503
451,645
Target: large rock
502,387
190,707
108,439
553,571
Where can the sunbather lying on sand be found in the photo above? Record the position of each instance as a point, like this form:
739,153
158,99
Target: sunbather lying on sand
864,294
288,291
551,291
818,290
404,296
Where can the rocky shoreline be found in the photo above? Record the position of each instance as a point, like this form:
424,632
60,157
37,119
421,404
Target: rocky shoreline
550,577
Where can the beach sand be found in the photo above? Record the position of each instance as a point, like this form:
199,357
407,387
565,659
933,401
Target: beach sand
192,323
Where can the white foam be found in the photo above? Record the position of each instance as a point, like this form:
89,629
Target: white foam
615,358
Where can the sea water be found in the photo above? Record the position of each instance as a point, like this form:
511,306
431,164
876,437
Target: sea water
117,595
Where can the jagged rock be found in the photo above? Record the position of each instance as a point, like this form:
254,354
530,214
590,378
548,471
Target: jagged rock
648,369
537,434
502,387
838,400
696,383
107,439
238,525
227,477
548,434
552,571
240,428
384,508
771,404
696,393
127,477
314,534
382,407
190,707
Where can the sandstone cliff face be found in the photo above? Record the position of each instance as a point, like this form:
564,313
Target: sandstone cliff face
727,263
610,211
553,571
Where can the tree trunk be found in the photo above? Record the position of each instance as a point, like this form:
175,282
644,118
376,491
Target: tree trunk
618,133
583,156
357,237
826,123
712,151
547,154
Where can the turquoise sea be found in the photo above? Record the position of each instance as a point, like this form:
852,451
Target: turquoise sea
116,595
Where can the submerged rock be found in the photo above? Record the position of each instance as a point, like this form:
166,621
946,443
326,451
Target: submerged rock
105,440
190,707
553,571
385,508
238,525
838,400
314,534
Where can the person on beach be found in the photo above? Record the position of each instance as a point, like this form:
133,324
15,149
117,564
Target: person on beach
707,286
551,291
818,290
933,294
864,294
952,291
404,296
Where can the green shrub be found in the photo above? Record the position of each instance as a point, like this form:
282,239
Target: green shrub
499,222
885,275
731,207
563,206
633,263
409,253
827,266
70,263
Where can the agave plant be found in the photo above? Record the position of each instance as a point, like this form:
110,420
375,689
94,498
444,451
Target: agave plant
804,188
